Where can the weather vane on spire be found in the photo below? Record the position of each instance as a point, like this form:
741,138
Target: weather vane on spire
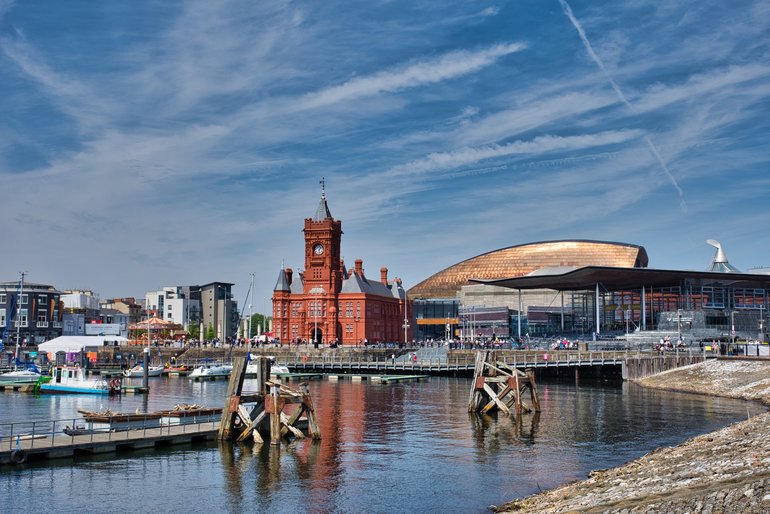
323,187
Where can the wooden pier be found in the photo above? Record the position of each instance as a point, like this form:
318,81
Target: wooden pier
46,440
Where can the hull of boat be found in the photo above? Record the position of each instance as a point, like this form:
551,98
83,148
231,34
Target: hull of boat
211,372
72,389
8,378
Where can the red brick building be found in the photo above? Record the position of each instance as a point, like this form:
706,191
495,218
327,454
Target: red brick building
328,303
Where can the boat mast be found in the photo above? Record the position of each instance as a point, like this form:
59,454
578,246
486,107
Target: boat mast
251,313
18,321
147,305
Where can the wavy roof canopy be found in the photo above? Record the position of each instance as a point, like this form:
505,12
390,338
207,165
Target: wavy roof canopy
516,261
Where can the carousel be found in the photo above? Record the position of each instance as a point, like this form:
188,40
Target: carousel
146,332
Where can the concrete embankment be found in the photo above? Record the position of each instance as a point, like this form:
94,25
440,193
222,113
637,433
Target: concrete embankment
721,472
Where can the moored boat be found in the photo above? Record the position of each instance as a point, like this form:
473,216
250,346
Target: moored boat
212,371
185,414
252,368
72,379
21,376
138,371
176,370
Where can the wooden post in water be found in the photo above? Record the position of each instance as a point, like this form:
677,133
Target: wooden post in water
274,401
267,413
233,398
498,385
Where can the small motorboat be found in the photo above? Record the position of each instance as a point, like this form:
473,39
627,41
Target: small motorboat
72,379
278,369
252,368
138,371
176,370
211,371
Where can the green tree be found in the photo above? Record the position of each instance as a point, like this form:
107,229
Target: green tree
210,333
194,330
259,320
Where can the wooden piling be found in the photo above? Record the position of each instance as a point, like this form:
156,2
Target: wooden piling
499,386
267,413
233,398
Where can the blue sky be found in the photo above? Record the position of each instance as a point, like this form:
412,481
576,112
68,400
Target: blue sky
154,143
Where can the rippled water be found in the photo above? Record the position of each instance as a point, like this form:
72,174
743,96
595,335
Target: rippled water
385,448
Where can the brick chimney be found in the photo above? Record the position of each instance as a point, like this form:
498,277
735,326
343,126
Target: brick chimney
359,267
384,275
289,274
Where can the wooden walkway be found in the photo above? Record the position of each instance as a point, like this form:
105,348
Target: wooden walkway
46,440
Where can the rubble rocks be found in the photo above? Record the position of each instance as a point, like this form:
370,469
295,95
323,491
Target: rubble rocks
721,472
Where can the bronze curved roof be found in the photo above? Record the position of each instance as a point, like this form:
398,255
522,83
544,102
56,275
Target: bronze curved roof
516,261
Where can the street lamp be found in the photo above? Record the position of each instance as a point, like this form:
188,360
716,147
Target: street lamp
406,321
732,328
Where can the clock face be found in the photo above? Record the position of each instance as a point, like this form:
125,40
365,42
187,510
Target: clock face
318,249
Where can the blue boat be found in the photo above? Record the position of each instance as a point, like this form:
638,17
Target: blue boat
72,379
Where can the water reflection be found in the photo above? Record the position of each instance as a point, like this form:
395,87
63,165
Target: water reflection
385,448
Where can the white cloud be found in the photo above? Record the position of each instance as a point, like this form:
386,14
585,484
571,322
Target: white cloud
448,66
537,146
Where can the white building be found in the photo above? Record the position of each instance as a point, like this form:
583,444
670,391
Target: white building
171,304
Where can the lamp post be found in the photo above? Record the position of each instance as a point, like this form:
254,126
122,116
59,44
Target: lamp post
732,328
406,321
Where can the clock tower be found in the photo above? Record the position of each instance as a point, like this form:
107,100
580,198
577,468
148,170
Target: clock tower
328,304
322,279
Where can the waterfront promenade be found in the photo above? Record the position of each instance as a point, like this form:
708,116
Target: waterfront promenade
626,364
723,471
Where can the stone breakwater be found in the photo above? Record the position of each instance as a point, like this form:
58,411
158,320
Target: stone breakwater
722,472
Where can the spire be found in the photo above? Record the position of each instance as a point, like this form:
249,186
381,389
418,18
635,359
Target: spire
720,262
282,284
323,209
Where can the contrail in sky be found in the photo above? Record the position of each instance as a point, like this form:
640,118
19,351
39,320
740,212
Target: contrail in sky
587,44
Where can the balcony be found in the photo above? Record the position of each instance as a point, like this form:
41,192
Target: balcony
42,324
57,324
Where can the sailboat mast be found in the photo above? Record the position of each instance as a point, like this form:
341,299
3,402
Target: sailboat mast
18,321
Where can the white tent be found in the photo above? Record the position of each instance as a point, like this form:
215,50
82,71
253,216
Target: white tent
71,344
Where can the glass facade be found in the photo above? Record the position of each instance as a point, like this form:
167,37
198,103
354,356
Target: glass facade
432,316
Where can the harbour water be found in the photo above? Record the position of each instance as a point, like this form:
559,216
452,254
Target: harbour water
385,448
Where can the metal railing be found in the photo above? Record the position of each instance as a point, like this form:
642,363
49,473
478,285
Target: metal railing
467,361
28,435
453,361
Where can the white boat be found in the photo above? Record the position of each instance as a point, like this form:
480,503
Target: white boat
253,369
211,371
138,371
72,379
20,376
278,369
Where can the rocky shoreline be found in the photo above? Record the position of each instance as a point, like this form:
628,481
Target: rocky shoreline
724,471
